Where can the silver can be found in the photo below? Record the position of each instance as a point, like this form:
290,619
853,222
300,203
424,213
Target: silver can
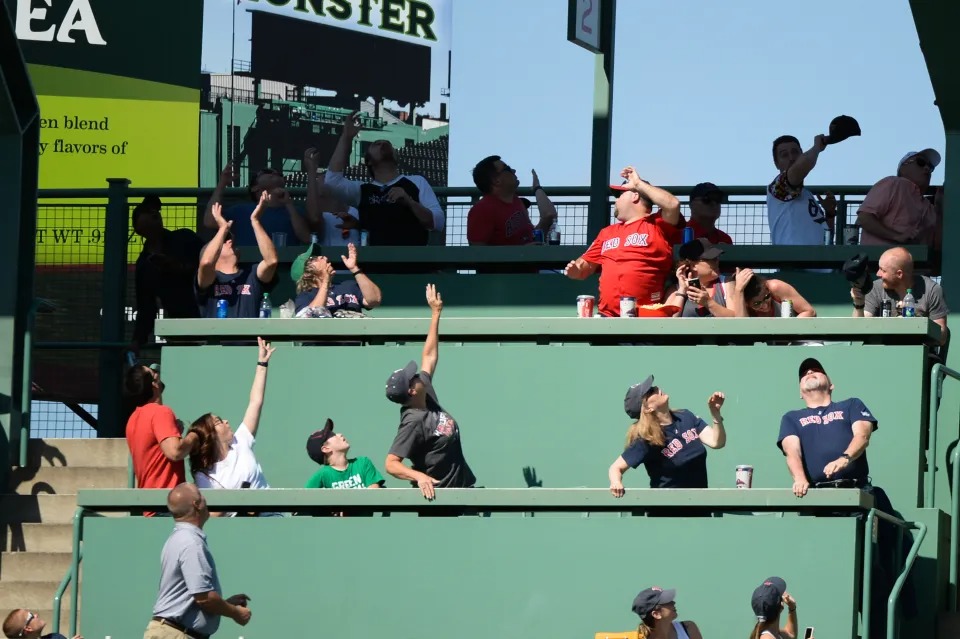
628,306
744,476
786,308
827,237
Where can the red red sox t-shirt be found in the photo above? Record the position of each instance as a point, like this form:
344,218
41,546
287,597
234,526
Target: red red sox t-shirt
497,223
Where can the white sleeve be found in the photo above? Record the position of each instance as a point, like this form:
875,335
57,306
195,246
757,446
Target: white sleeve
347,191
244,437
429,199
203,481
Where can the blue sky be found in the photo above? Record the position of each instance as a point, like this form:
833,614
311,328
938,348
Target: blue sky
701,89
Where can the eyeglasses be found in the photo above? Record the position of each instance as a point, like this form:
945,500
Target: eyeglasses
760,302
30,617
922,163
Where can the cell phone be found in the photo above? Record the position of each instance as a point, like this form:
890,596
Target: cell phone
695,283
808,633
245,484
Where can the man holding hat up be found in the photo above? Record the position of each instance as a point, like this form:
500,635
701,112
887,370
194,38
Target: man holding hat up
768,602
428,436
826,442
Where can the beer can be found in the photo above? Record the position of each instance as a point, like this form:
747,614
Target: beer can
744,476
628,306
364,237
585,305
687,234
538,236
221,309
786,308
887,309
827,237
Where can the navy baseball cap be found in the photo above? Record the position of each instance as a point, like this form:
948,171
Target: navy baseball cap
316,441
699,249
706,188
399,383
633,402
810,364
768,597
648,600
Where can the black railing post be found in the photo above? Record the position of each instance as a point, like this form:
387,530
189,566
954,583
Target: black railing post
116,228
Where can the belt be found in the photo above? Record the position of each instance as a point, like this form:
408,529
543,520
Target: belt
841,483
179,628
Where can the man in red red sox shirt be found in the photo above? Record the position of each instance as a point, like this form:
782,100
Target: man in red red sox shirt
500,218
635,254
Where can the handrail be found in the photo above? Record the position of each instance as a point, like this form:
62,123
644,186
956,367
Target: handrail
937,375
895,591
78,516
58,597
27,382
954,531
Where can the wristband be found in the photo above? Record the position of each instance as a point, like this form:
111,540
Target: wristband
264,364
357,272
859,308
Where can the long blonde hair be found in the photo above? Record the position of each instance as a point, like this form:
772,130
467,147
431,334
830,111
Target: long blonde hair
647,428
645,629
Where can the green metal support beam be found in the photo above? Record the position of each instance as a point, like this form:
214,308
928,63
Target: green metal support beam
599,211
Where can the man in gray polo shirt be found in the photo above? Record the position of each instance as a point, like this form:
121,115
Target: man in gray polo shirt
189,602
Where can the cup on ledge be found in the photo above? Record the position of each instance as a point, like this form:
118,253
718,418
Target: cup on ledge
279,239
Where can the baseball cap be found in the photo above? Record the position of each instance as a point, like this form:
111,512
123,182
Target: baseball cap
633,402
810,363
648,600
300,263
930,155
767,598
399,383
706,188
316,441
699,249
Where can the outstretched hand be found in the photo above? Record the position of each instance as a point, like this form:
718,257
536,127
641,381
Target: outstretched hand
434,299
715,403
217,211
258,210
263,355
350,259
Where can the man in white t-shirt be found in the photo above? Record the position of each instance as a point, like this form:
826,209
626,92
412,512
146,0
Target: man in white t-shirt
795,215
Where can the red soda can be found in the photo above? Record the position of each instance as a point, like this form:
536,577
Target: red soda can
586,305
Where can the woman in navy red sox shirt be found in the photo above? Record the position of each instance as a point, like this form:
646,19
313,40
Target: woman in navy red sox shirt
672,444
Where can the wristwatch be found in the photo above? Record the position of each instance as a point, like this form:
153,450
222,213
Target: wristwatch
846,456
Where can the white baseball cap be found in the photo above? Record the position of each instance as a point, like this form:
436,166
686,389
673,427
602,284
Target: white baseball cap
929,155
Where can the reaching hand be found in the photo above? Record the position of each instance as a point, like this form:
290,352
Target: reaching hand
715,402
281,196
632,177
530,476
263,355
536,179
433,298
258,210
426,487
351,125
217,211
350,260
741,277
228,175
819,142
829,203
311,160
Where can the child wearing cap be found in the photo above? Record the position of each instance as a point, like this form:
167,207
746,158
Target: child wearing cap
336,470
768,601
657,609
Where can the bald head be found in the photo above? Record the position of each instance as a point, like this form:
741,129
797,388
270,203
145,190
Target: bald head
182,500
898,258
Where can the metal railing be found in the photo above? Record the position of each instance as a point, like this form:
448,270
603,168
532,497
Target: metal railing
938,373
72,576
894,597
954,592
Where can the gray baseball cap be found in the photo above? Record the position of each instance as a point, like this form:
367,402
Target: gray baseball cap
399,383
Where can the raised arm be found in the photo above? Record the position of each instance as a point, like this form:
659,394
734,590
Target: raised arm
668,203
548,212
207,270
714,435
268,252
314,213
227,176
431,347
801,168
341,153
300,227
737,301
252,416
372,297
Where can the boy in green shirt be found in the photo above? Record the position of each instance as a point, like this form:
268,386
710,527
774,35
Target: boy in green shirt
330,449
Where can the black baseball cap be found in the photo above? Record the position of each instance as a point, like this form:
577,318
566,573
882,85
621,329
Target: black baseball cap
648,600
810,364
316,441
699,249
706,188
399,383
633,402
768,597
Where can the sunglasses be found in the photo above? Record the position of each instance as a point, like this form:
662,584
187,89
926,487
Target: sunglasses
760,302
922,163
30,618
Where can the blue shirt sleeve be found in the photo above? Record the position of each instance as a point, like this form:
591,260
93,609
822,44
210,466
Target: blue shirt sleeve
635,453
303,299
788,426
859,412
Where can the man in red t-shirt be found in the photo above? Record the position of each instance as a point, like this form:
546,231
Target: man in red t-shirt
153,433
635,254
500,218
705,201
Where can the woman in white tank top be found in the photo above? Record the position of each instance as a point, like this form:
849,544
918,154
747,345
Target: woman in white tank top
768,601
657,610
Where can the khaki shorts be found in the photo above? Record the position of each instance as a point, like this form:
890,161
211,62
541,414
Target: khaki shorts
157,630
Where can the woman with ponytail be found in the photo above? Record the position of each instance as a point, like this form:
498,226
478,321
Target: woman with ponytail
769,600
657,610
672,444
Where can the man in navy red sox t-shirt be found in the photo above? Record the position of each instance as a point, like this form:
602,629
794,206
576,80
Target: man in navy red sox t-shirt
826,442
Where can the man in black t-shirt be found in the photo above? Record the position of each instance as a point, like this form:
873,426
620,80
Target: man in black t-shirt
220,276
428,436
